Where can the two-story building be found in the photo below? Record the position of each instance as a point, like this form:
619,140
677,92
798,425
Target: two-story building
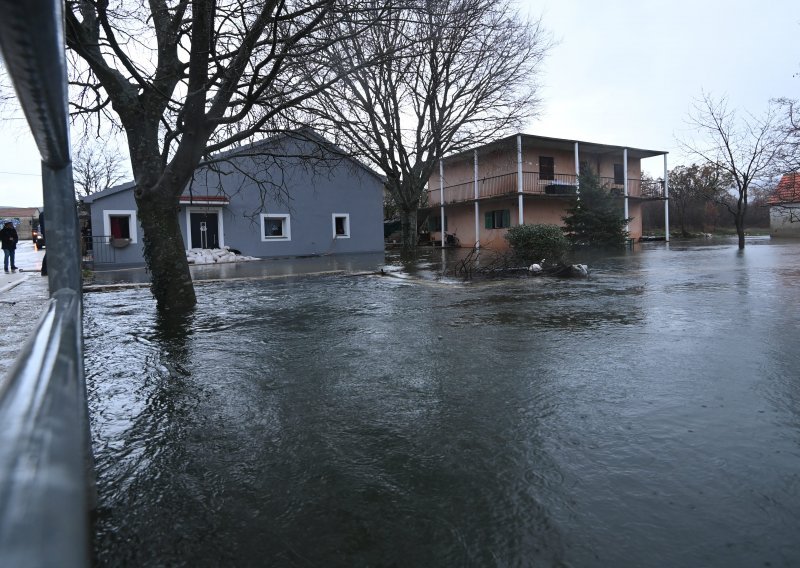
525,179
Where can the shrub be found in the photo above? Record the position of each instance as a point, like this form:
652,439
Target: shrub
597,218
532,243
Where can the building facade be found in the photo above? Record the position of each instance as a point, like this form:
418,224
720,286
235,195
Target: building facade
784,207
523,179
292,196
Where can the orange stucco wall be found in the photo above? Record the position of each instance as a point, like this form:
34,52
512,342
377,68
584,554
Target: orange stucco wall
461,219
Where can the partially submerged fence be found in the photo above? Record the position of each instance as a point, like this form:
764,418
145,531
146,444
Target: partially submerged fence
98,250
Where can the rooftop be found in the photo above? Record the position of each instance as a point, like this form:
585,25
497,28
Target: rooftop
788,190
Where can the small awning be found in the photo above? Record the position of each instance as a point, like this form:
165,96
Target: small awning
218,200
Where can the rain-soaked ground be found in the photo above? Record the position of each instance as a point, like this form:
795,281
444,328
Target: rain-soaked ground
647,416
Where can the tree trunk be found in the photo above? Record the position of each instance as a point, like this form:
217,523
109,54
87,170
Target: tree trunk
740,231
165,252
408,227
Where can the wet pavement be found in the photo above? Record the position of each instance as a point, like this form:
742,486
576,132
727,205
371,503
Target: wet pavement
23,297
647,416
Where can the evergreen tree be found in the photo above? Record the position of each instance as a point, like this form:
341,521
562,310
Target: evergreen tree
596,219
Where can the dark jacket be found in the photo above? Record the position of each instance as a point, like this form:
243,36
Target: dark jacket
9,237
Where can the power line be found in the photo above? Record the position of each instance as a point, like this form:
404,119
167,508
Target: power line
20,174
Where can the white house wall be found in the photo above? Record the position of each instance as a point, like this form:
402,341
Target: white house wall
784,221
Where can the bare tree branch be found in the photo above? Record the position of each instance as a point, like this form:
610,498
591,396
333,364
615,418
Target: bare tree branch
745,151
450,74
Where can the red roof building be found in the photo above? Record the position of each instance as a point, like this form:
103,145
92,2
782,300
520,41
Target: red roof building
784,211
788,190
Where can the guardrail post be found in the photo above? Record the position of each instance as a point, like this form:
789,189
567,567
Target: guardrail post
61,229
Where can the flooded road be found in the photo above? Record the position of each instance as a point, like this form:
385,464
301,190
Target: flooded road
647,416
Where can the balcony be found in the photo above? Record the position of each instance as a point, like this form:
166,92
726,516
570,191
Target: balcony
534,183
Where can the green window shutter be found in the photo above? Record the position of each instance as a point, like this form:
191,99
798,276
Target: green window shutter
431,224
445,222
506,218
487,220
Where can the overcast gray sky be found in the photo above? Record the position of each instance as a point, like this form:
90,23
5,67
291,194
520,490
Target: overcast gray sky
624,72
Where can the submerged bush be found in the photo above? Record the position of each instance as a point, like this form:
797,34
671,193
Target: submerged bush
532,243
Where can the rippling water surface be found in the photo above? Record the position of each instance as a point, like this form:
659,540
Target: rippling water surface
648,416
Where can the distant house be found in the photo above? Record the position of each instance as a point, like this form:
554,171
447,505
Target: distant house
293,195
525,179
25,219
784,210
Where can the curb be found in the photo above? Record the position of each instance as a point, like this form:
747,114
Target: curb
8,287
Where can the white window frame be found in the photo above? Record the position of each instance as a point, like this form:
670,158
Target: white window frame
287,226
346,217
220,226
133,226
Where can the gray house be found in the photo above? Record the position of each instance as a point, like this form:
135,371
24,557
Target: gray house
292,195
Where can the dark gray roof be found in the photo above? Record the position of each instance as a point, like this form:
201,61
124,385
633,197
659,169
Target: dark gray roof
559,144
300,134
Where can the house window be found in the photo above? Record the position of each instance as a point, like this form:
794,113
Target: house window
341,225
275,228
619,174
435,223
120,224
498,219
547,168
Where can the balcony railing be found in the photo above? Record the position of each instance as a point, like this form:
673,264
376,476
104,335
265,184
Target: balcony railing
535,183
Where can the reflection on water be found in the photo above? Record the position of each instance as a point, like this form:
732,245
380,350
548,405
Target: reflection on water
647,416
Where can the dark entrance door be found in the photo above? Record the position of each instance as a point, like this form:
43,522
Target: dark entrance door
204,229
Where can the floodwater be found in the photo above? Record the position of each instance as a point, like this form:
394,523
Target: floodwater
647,416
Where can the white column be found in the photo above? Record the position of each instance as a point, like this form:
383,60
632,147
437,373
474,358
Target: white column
625,183
477,220
441,198
577,172
520,216
666,199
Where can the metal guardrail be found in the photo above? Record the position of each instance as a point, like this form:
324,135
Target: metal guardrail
45,489
46,478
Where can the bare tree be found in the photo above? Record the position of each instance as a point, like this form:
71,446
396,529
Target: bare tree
789,127
463,73
187,78
96,168
690,187
744,150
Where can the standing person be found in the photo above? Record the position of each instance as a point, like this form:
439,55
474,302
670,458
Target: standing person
41,232
9,237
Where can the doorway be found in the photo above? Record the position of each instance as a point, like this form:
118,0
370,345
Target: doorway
204,230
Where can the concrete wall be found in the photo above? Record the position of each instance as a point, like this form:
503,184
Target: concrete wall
461,219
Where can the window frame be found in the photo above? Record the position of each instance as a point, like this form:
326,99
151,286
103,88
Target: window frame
133,224
346,217
286,227
621,179
504,216
547,172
